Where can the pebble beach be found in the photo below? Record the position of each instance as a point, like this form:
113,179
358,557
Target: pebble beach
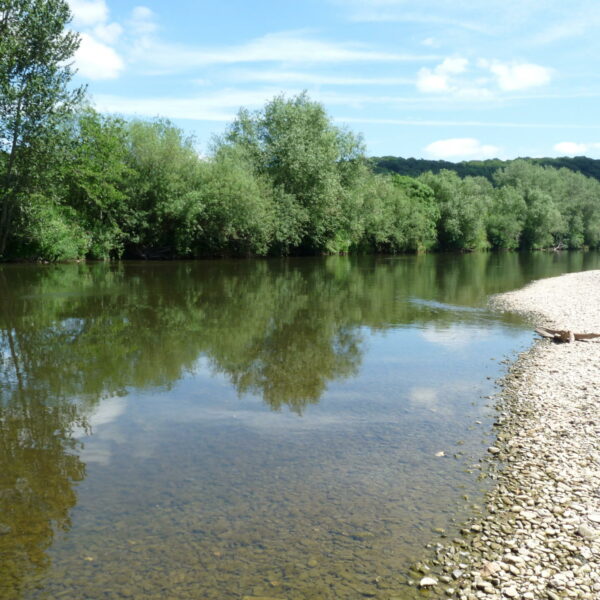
539,536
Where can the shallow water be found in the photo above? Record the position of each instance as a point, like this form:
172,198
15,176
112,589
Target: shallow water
215,430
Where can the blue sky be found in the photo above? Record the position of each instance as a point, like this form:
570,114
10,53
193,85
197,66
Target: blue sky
455,80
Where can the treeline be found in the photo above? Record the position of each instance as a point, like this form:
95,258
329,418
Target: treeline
283,180
413,167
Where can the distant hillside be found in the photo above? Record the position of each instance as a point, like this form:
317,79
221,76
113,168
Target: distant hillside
482,168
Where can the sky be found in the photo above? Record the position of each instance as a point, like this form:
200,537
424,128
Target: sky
439,79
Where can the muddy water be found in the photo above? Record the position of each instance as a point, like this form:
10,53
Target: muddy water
217,430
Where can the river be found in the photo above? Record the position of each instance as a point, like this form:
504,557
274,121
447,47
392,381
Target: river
286,429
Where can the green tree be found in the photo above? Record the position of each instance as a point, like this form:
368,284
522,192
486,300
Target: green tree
540,187
400,215
463,205
293,143
506,217
163,190
238,211
35,50
94,179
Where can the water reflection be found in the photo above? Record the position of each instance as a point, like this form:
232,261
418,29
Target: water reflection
282,329
76,339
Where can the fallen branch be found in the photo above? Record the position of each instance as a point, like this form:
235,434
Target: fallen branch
565,336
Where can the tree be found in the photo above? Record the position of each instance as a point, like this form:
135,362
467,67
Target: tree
164,183
35,72
400,215
506,218
463,206
294,144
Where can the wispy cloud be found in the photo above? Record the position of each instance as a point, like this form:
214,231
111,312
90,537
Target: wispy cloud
488,18
316,78
289,47
222,105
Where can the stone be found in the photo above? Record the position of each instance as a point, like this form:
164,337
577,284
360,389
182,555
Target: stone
594,517
493,450
489,569
428,582
511,592
588,532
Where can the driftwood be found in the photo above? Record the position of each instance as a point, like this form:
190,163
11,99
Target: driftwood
565,336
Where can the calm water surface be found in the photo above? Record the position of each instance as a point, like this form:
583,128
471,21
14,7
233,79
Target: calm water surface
215,430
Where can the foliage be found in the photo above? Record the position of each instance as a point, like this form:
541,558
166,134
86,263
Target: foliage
294,144
48,231
238,214
35,49
463,209
400,215
163,190
94,176
413,167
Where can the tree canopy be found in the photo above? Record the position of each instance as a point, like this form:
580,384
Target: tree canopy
35,50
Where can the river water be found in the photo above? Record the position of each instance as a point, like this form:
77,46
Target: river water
261,428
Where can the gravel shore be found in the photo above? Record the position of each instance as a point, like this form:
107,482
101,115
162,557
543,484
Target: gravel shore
540,536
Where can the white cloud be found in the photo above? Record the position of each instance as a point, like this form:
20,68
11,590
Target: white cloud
108,33
439,79
430,82
575,148
88,13
96,60
453,66
457,77
518,76
96,57
461,148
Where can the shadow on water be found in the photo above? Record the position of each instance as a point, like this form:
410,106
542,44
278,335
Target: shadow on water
158,382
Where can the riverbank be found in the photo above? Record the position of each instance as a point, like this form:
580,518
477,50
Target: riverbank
540,536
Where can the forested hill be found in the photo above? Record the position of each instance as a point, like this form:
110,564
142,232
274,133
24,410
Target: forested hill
483,168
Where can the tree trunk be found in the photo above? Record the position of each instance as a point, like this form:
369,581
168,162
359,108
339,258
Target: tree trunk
9,189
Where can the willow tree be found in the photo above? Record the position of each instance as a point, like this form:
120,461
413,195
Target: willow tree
295,145
35,72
